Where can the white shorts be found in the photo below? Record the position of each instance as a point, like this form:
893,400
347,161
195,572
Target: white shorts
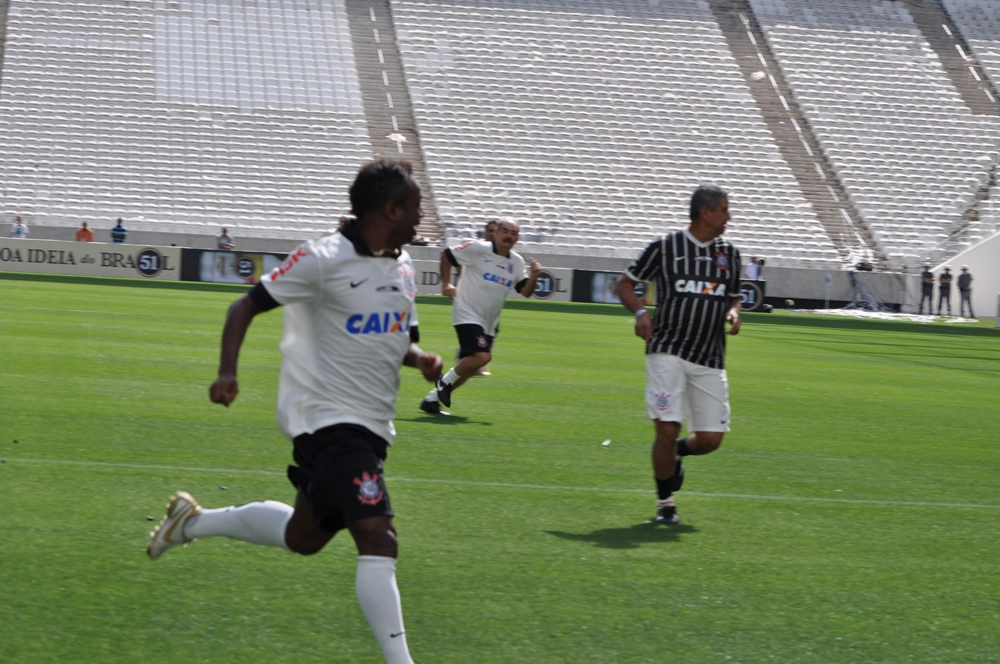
678,390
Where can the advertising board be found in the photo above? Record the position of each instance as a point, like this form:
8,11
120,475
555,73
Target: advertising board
91,259
227,267
590,286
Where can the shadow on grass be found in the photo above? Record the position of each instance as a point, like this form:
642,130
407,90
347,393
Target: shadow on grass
442,419
629,537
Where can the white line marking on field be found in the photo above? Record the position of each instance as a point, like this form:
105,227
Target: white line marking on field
503,485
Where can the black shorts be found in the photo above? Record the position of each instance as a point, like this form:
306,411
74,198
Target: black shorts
472,339
340,470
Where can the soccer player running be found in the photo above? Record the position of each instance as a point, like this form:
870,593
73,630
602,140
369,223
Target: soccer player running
489,271
349,323
697,277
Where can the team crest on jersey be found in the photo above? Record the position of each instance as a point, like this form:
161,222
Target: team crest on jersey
510,268
409,281
662,401
722,260
369,489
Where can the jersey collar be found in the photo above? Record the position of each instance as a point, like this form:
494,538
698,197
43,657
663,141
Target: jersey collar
692,238
351,232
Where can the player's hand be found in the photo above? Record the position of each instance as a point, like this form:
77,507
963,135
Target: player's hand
536,268
430,366
224,390
733,318
449,290
644,327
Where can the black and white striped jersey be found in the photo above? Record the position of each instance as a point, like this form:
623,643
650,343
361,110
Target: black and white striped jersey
694,283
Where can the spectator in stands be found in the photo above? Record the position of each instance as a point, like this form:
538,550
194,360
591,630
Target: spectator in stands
84,234
19,229
965,290
927,292
119,233
752,271
223,241
944,284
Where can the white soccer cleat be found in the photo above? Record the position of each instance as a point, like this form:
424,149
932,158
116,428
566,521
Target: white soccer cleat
170,532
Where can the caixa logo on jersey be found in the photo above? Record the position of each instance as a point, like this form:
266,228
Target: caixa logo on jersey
498,279
699,287
379,322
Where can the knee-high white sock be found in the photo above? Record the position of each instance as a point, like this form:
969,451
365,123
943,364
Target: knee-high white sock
450,377
379,599
262,522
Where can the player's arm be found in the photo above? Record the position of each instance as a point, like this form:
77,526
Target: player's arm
733,315
447,262
735,303
526,287
625,288
238,319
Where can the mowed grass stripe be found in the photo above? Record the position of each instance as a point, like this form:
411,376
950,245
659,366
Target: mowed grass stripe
502,485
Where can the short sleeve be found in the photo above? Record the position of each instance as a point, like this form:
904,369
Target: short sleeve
646,265
464,254
298,279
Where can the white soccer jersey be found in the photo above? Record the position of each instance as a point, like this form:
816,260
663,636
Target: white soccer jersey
348,317
487,278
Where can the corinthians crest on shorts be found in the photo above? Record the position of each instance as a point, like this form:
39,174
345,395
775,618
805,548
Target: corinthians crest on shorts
369,489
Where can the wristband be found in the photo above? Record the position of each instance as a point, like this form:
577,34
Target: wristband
640,312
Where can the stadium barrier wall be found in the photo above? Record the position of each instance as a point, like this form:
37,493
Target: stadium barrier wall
564,279
91,259
983,260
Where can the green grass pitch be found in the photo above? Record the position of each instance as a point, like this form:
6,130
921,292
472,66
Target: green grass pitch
850,516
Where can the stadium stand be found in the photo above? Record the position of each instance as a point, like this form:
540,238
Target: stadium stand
181,115
911,155
591,122
979,21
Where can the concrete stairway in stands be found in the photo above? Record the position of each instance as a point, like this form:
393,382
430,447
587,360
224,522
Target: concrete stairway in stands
967,75
4,8
791,131
956,57
386,98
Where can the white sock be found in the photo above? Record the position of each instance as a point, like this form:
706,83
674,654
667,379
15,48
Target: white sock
378,596
450,377
432,395
262,522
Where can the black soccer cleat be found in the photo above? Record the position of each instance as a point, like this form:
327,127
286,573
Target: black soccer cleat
667,515
432,407
444,391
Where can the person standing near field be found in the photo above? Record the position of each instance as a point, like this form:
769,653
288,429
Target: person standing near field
944,289
926,290
697,277
965,290
489,271
349,324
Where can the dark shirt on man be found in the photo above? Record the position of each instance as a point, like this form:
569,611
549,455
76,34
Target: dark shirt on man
928,279
964,281
945,281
